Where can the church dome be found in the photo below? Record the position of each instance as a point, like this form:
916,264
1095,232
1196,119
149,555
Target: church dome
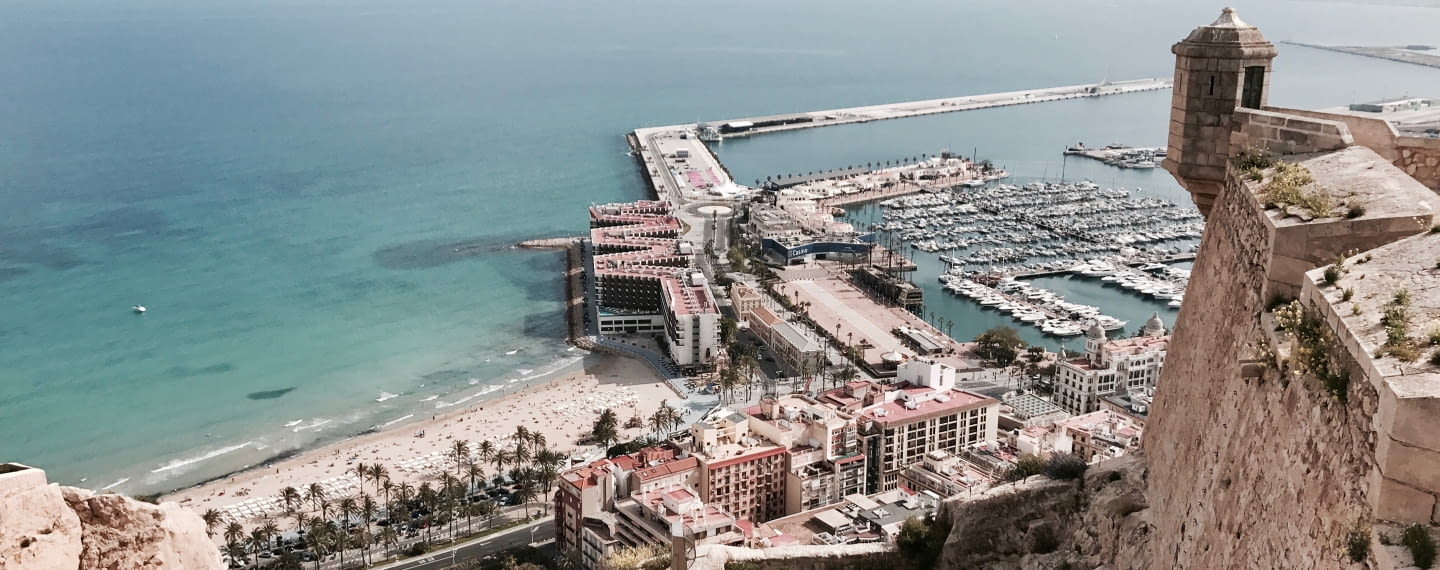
1095,331
1155,325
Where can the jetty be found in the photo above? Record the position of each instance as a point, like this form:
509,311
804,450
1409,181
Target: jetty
550,243
1404,54
679,166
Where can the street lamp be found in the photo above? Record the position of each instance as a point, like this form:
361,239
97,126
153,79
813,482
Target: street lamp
532,533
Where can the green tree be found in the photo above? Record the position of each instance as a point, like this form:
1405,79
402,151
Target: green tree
999,346
607,427
728,328
921,540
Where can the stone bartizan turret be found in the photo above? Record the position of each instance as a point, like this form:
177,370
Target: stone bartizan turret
1217,68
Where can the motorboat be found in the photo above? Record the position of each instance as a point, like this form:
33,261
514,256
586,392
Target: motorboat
139,309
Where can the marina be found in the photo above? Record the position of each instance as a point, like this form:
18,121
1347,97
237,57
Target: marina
987,240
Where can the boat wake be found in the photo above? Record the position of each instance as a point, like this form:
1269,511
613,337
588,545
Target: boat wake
178,463
512,353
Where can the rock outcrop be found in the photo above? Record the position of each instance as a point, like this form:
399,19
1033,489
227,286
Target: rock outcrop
1098,522
51,527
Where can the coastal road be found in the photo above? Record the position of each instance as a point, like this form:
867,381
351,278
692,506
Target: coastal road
543,529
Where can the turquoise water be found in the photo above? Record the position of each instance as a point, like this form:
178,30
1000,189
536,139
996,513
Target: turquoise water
285,183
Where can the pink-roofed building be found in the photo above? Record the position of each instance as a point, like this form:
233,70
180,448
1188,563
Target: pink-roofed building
585,497
901,424
825,462
1110,366
652,517
1099,435
644,281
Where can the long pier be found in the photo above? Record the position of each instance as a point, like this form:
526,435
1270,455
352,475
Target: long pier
812,119
1399,54
1170,259
681,168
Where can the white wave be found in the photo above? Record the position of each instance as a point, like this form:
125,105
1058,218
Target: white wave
456,402
314,425
178,463
474,381
429,398
293,423
524,371
571,349
113,485
512,353
397,420
514,380
385,396
489,389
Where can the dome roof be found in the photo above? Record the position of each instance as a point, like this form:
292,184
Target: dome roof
1155,324
1095,331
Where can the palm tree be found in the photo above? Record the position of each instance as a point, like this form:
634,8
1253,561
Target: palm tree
500,458
459,452
525,492
389,537
302,520
315,494
520,454
234,533
269,530
537,441
449,485
658,420
485,450
361,471
347,509
426,495
487,510
473,471
387,486
379,474
846,375
291,497
257,543
368,508
320,536
212,518
549,463
235,552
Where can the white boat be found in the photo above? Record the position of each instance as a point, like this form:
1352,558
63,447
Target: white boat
139,309
1174,304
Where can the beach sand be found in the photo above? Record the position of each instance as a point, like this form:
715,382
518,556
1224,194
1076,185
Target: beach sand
563,409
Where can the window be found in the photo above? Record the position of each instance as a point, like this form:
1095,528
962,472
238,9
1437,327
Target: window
1254,88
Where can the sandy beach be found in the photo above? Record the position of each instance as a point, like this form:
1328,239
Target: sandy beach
562,409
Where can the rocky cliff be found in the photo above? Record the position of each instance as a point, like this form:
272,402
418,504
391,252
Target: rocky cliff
50,527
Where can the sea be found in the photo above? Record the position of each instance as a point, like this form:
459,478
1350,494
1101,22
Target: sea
317,200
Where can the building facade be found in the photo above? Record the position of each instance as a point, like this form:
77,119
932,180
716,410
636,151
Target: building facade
1110,366
642,280
908,421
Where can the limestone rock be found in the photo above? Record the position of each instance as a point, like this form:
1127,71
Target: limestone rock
122,533
49,527
38,530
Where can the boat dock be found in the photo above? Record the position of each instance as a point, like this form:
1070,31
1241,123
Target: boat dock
679,166
1402,54
1120,155
1167,260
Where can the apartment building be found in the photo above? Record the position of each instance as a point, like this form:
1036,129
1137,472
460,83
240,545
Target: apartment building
1101,435
825,463
900,424
791,346
740,472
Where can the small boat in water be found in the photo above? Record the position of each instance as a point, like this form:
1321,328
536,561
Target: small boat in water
139,309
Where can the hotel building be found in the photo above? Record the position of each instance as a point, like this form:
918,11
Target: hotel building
642,280
825,462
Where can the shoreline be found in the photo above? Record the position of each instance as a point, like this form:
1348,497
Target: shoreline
562,408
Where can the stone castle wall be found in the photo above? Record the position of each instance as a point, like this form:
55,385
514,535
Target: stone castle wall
1253,464
1417,157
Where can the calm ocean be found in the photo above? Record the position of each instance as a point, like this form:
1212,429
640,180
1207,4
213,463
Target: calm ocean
316,199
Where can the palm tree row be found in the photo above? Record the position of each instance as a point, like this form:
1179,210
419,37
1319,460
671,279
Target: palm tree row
339,525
